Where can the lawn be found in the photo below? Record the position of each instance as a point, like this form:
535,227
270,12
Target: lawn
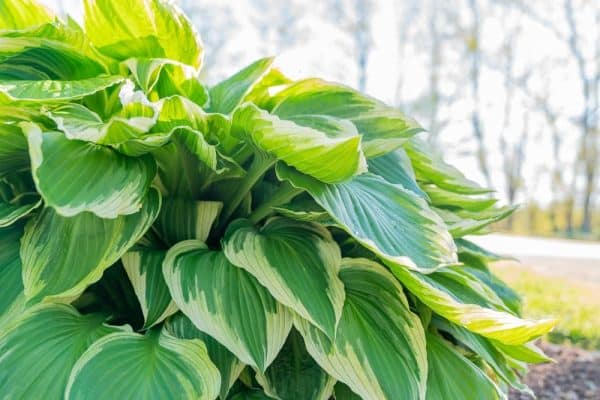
576,304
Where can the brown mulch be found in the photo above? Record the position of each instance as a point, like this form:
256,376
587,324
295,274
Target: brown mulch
574,376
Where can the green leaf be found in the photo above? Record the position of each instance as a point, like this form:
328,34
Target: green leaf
393,222
379,348
453,377
327,150
462,223
61,256
52,51
159,30
295,375
127,130
20,14
13,149
527,352
447,199
228,94
228,365
298,262
182,219
343,392
113,295
467,247
165,78
395,167
144,269
155,366
11,296
54,91
218,297
463,299
75,176
485,349
382,128
430,168
509,297
40,348
250,394
10,212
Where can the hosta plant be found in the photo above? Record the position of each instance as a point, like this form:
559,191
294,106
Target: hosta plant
259,238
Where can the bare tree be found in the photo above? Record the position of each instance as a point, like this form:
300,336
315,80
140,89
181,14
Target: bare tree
588,150
362,39
474,51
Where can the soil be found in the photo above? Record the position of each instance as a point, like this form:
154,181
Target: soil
574,376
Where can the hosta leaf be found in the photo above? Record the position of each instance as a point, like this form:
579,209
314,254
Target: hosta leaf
462,223
229,366
53,51
182,219
295,375
250,394
61,256
298,262
165,78
261,93
159,30
395,167
144,269
113,295
446,199
379,348
40,348
154,366
453,377
511,299
386,218
10,212
218,297
228,94
13,149
19,14
430,168
75,176
487,351
126,131
330,152
528,352
49,90
464,300
383,128
467,247
11,296
343,392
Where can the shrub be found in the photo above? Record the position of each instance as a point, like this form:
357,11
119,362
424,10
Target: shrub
259,238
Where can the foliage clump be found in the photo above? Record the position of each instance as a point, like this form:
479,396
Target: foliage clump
261,238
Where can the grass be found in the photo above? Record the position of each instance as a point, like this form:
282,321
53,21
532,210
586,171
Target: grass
575,304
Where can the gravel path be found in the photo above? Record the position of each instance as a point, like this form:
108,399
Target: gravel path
574,376
575,259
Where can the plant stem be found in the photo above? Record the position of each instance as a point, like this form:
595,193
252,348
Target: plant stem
260,164
284,194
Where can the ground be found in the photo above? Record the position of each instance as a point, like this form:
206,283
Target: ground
574,376
558,290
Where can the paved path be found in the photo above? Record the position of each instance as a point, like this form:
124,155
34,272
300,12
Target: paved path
570,258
